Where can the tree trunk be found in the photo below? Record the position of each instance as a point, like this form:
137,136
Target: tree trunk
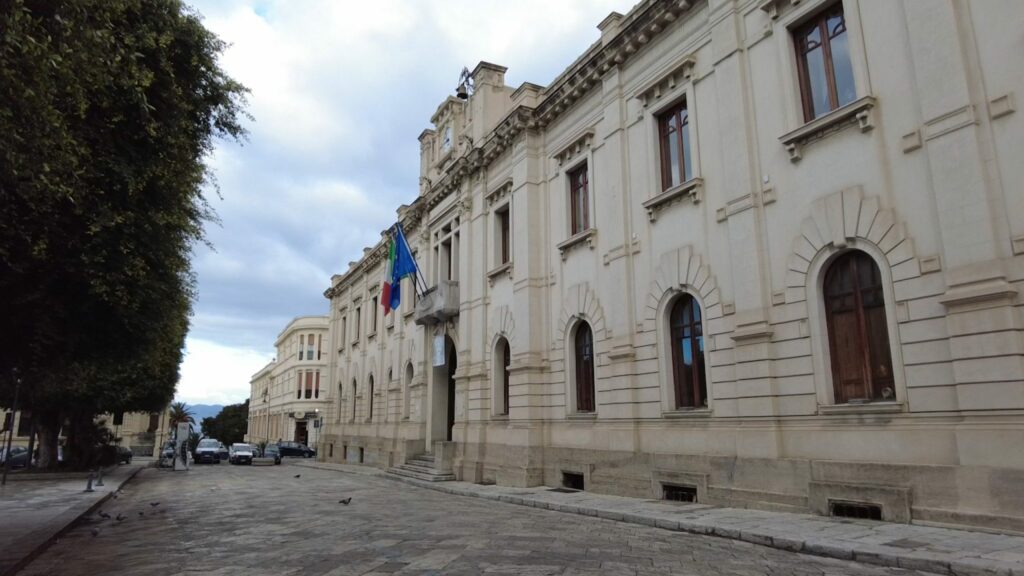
47,424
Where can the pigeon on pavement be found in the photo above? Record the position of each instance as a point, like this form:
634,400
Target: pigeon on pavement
297,475
120,517
154,504
104,515
95,532
345,501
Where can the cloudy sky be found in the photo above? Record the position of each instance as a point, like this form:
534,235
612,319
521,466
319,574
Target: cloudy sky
340,92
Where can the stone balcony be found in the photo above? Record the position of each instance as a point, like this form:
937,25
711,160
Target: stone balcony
438,303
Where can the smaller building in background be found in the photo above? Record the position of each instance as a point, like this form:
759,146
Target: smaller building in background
143,432
289,396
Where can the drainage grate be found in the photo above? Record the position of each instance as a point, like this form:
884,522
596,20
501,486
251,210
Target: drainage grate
857,510
678,493
572,480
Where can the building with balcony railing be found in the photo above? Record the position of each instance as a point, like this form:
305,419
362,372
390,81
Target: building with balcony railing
764,253
289,396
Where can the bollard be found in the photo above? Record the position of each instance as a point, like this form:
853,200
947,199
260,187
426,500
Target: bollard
88,484
100,481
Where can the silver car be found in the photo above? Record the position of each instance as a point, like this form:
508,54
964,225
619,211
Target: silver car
240,453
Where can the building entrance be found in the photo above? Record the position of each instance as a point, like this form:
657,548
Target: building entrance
301,433
452,365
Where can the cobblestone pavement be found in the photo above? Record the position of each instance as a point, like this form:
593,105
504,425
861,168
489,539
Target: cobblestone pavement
262,520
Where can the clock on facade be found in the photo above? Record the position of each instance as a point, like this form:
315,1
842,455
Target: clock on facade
446,140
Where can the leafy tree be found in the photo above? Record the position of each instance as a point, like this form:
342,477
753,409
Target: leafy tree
108,109
230,425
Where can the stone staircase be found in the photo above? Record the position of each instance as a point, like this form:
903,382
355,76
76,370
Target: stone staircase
421,467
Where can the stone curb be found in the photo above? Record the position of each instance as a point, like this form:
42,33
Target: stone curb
39,540
842,550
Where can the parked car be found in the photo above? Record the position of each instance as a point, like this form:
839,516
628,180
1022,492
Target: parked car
240,453
124,455
208,450
19,456
272,451
295,449
222,452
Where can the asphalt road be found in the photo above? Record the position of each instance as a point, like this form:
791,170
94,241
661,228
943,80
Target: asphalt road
263,520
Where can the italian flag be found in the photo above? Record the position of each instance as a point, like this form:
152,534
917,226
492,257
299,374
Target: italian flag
385,285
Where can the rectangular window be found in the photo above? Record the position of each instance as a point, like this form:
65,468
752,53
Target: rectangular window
823,63
674,138
309,384
344,331
302,344
25,423
359,323
579,199
309,347
316,385
319,346
504,234
298,385
373,315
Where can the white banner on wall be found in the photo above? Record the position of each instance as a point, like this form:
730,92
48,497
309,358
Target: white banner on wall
439,350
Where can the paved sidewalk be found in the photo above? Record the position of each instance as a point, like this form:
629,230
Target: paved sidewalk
34,512
915,547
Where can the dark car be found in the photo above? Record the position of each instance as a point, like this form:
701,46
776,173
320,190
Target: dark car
19,456
124,455
208,451
295,449
272,451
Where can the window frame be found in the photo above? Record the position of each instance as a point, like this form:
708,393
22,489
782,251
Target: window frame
575,405
503,236
821,355
819,20
698,372
685,145
581,168
501,359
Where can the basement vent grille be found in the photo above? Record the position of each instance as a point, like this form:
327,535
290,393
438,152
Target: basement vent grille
572,480
857,510
679,493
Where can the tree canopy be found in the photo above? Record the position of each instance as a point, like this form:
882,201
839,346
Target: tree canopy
108,110
230,425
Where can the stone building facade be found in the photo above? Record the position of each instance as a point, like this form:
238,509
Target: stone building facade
760,253
289,396
143,432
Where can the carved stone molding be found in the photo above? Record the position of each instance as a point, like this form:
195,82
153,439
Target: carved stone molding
679,72
858,112
578,145
693,189
588,237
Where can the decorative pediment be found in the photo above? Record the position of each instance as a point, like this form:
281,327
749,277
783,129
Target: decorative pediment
578,145
680,72
498,192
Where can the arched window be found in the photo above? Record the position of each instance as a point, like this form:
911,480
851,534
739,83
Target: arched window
502,359
584,346
858,335
369,416
354,389
688,375
408,390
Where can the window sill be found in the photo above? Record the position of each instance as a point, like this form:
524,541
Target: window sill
692,189
683,413
582,416
866,408
500,417
505,268
589,236
856,112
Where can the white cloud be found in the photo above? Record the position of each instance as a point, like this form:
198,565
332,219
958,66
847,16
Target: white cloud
216,374
340,91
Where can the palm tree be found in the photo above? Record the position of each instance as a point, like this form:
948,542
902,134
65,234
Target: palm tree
180,412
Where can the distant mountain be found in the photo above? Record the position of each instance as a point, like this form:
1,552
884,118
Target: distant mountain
200,411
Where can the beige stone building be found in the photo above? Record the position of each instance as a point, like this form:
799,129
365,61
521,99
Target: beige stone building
758,253
143,432
289,396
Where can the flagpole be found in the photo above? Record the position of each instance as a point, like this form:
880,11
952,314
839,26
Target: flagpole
419,273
